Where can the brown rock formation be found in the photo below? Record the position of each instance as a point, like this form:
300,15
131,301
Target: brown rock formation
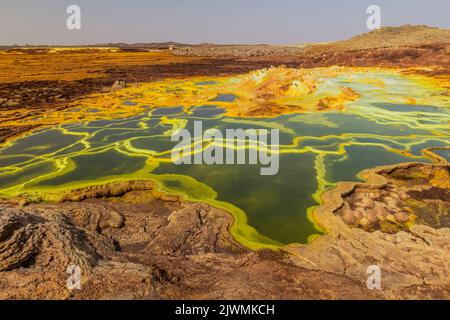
409,239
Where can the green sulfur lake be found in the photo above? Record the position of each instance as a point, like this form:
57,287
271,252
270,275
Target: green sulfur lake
316,151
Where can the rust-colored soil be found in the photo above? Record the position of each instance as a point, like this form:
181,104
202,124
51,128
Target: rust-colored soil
32,84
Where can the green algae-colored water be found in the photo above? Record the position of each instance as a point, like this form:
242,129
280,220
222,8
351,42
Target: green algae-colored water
316,151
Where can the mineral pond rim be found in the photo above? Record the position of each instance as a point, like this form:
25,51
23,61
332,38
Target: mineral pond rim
334,123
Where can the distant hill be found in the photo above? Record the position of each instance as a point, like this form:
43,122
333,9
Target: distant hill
386,37
145,46
403,36
120,45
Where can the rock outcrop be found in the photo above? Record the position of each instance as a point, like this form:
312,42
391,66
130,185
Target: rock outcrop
383,223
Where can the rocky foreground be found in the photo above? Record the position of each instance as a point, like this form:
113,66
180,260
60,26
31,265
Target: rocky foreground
134,242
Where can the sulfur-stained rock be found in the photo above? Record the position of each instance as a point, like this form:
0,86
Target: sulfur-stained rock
401,217
118,85
372,217
364,222
348,217
391,218
411,256
359,214
367,202
391,202
380,210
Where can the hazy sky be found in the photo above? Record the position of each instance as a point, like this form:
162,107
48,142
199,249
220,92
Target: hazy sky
218,21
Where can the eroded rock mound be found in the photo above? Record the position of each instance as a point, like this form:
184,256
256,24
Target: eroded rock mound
379,224
412,194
